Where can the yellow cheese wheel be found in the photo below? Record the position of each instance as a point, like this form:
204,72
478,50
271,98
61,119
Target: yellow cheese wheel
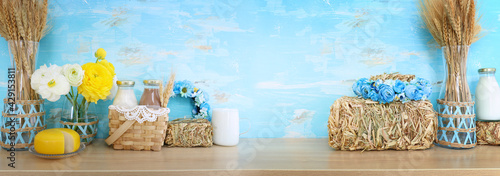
57,141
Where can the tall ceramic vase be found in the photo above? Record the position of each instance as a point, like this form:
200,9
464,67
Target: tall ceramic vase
23,112
456,118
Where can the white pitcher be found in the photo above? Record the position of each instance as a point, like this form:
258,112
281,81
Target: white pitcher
226,126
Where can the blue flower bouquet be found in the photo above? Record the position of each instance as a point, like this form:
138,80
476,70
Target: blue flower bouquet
387,90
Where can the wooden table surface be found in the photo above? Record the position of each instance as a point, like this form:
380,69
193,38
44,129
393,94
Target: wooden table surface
261,157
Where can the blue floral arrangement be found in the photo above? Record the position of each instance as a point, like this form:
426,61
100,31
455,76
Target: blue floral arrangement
186,89
392,90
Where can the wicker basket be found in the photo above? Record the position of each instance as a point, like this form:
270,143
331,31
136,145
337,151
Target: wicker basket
359,124
136,132
488,133
189,133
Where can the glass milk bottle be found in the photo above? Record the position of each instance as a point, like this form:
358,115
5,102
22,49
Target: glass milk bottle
487,96
125,95
151,95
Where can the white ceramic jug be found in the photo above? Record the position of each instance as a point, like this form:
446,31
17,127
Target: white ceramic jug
226,126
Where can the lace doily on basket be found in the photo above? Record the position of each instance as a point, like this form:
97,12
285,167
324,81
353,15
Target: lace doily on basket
137,112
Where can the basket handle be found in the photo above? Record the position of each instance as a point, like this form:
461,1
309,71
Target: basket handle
119,132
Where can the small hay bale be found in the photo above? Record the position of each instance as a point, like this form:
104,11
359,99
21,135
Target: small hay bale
189,133
488,133
359,124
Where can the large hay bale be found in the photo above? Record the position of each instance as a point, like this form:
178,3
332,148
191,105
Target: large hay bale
359,124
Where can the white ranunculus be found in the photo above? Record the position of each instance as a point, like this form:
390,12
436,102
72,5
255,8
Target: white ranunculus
37,76
53,85
42,72
113,90
73,73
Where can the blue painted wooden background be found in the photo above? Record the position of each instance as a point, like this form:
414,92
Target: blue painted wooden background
281,63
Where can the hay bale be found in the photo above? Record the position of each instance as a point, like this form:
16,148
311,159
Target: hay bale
189,133
359,124
488,133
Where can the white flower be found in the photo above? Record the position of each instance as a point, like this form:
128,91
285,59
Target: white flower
53,85
37,76
113,90
41,73
73,73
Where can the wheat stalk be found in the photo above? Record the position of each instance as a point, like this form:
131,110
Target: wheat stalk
168,90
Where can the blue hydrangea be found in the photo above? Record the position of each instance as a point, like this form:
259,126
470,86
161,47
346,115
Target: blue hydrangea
201,97
205,107
386,93
204,111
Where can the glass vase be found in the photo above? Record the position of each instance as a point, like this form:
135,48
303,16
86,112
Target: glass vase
80,117
23,58
456,116
23,112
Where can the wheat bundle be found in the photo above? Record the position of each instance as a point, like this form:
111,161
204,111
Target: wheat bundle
23,23
454,25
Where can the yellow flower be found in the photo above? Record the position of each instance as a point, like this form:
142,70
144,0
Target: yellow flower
100,54
97,82
108,66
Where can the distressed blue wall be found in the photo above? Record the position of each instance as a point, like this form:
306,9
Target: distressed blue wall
281,63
